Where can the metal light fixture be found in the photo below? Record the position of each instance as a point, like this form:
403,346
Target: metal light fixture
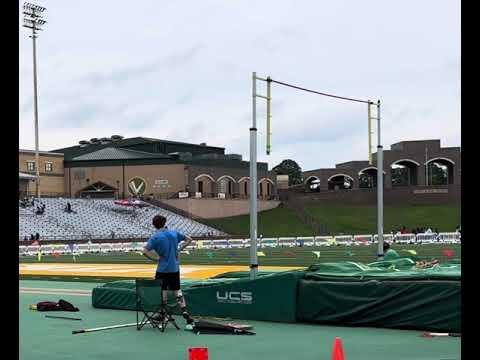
33,19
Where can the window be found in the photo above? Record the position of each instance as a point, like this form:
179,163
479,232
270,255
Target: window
30,165
48,167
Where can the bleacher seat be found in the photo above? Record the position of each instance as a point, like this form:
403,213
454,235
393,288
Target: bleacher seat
101,218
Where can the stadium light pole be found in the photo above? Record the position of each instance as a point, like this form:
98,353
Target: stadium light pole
33,19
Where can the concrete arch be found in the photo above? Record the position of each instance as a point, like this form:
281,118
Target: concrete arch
245,178
310,177
440,158
405,160
345,175
404,172
450,171
370,168
267,180
204,175
226,177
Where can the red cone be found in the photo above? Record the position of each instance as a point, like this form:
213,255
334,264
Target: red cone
198,353
337,353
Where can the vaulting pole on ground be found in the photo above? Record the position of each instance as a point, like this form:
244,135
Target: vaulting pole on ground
379,187
253,182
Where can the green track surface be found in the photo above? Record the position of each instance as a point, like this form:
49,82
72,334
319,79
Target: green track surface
280,256
344,219
273,257
52,339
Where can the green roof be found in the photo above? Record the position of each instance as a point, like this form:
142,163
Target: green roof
111,153
154,146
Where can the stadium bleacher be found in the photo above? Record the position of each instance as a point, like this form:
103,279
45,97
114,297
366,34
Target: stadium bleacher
100,219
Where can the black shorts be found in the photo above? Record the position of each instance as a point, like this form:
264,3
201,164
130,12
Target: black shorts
170,281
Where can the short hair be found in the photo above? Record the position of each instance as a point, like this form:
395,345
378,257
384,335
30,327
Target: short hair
386,246
159,221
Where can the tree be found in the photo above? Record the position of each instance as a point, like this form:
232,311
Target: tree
292,169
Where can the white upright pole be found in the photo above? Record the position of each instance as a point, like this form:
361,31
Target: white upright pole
35,108
253,182
379,187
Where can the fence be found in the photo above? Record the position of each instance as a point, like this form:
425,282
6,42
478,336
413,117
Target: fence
238,243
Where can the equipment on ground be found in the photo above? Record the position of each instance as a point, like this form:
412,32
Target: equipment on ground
61,317
435,334
103,328
217,328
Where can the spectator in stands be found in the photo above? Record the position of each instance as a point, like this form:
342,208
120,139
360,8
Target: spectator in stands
112,234
389,253
32,237
69,207
37,236
25,238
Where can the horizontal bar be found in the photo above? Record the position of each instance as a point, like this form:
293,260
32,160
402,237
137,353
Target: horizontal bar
263,97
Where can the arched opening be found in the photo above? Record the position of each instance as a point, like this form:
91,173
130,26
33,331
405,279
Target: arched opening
244,186
440,171
312,184
204,184
367,178
265,187
98,190
225,185
404,172
340,182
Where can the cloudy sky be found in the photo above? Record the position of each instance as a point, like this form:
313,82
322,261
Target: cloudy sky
181,70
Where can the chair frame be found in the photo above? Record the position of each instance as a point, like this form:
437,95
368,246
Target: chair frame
158,318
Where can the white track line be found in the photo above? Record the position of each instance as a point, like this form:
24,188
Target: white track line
52,293
49,291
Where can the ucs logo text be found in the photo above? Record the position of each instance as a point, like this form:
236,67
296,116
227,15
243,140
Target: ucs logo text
235,297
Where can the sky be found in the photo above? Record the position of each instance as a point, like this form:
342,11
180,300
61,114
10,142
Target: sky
182,71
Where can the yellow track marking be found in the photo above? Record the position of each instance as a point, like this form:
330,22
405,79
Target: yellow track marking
133,270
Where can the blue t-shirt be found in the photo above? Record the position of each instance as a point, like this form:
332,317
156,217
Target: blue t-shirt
165,243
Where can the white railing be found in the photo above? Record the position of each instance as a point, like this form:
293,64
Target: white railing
426,238
344,240
362,239
287,241
305,241
447,237
265,242
386,237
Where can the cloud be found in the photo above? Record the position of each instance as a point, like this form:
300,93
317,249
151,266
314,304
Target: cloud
184,73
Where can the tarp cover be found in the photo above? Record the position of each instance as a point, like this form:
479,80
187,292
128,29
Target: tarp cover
391,294
424,305
400,269
270,297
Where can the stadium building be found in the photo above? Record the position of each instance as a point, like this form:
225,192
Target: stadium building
414,172
139,166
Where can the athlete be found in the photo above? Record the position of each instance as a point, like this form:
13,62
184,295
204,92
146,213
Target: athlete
163,248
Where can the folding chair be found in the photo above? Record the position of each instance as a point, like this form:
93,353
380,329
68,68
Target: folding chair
148,298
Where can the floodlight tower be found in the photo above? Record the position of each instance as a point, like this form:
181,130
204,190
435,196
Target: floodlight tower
33,19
